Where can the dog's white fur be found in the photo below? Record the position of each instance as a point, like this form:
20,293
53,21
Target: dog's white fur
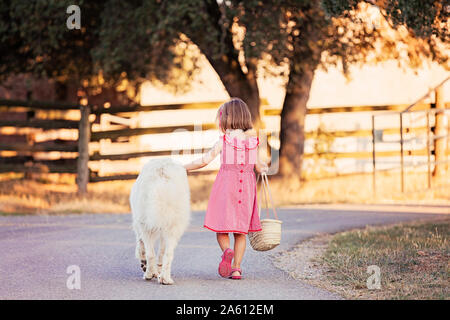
160,205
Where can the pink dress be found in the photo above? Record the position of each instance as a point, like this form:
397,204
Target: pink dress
232,205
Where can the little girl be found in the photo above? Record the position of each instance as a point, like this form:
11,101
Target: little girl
232,204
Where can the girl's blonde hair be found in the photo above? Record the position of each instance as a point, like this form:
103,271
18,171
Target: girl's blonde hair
234,114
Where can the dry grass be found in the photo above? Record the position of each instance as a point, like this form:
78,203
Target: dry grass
58,195
357,188
413,260
31,196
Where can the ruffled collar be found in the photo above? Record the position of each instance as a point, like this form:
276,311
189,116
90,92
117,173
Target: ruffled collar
236,133
238,139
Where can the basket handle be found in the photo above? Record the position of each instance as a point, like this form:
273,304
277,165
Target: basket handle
266,191
262,193
264,175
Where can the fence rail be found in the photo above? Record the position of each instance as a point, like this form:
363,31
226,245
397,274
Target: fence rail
113,134
396,107
79,164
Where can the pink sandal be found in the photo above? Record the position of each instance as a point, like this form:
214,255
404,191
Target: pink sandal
239,277
225,264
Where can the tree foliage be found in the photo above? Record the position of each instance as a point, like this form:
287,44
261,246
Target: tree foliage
34,39
161,41
425,20
153,39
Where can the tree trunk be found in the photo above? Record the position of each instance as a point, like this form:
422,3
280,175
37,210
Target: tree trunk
239,84
247,90
306,56
292,132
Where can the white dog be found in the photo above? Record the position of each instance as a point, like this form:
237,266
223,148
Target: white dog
160,205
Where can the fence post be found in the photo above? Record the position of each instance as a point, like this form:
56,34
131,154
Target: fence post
374,186
84,136
428,150
401,154
439,135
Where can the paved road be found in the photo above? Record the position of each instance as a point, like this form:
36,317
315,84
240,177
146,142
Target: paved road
35,252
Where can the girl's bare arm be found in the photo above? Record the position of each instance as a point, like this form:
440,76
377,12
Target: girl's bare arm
206,158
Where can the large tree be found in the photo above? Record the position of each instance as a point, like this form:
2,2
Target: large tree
246,39
242,40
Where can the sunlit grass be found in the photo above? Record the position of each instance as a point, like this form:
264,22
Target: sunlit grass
413,261
58,194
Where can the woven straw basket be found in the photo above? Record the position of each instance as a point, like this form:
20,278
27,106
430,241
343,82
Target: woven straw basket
270,235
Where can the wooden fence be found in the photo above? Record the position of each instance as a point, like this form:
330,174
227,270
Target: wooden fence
18,155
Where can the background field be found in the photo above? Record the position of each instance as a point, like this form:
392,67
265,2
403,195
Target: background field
18,195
